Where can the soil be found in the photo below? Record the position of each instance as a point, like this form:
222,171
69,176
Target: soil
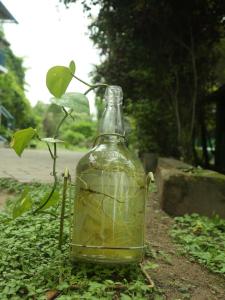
176,275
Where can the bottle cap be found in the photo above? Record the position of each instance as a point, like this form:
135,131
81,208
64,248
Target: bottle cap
114,94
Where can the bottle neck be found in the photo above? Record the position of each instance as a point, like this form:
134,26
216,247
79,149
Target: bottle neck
111,129
112,120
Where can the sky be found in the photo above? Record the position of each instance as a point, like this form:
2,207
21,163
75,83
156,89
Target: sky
48,34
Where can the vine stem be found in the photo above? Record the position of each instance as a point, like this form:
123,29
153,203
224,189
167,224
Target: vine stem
60,123
53,155
88,84
95,86
66,177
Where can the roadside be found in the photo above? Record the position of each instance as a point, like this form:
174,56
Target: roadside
174,274
35,165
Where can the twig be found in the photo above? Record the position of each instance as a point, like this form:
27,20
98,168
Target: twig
62,216
150,281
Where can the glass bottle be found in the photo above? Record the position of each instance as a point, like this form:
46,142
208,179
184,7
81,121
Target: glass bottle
109,207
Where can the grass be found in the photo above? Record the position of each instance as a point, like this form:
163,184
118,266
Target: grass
203,239
32,267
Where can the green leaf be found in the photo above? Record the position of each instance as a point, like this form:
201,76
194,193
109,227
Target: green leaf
21,139
57,80
52,140
76,101
72,66
51,202
23,204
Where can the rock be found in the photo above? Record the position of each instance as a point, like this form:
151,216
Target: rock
184,189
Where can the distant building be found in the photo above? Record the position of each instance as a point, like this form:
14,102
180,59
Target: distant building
5,16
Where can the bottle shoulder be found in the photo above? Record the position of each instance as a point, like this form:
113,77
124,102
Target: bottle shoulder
113,157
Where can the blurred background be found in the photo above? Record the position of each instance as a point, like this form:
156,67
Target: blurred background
168,56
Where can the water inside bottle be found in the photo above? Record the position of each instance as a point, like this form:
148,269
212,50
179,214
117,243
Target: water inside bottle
109,218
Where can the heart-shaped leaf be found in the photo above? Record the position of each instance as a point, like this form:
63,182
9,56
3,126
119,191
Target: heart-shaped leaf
21,139
52,140
76,101
23,204
57,80
72,67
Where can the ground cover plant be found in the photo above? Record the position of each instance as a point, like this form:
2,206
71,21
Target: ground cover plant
203,239
33,267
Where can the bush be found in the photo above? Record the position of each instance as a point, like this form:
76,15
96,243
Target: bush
73,137
87,128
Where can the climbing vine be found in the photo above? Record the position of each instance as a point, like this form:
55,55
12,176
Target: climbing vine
58,79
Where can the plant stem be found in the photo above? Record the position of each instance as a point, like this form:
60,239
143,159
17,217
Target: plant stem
95,86
62,216
49,197
60,123
88,84
54,158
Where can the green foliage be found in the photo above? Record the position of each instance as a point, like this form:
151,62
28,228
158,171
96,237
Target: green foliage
72,67
14,186
31,264
51,118
21,139
12,88
85,127
23,204
58,78
6,132
160,130
39,112
203,239
13,98
53,201
15,65
166,45
73,137
80,133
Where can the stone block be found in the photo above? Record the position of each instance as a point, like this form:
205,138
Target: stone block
184,189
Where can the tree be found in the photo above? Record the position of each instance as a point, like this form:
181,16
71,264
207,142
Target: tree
12,95
164,52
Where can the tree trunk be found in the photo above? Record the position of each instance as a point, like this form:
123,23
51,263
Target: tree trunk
220,135
203,137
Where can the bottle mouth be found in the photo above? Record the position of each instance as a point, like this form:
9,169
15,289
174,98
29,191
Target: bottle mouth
114,94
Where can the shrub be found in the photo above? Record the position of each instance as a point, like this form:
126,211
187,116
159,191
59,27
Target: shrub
73,137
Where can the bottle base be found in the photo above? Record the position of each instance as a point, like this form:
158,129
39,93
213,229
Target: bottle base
107,256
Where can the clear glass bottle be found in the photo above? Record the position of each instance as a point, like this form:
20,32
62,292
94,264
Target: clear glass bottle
109,207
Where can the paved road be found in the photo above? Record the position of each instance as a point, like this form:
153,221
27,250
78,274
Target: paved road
35,165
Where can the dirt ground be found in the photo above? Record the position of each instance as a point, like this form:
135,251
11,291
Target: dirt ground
176,276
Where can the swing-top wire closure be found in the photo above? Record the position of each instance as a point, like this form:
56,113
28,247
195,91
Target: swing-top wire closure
108,247
108,134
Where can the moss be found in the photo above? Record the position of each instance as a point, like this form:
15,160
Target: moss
202,173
